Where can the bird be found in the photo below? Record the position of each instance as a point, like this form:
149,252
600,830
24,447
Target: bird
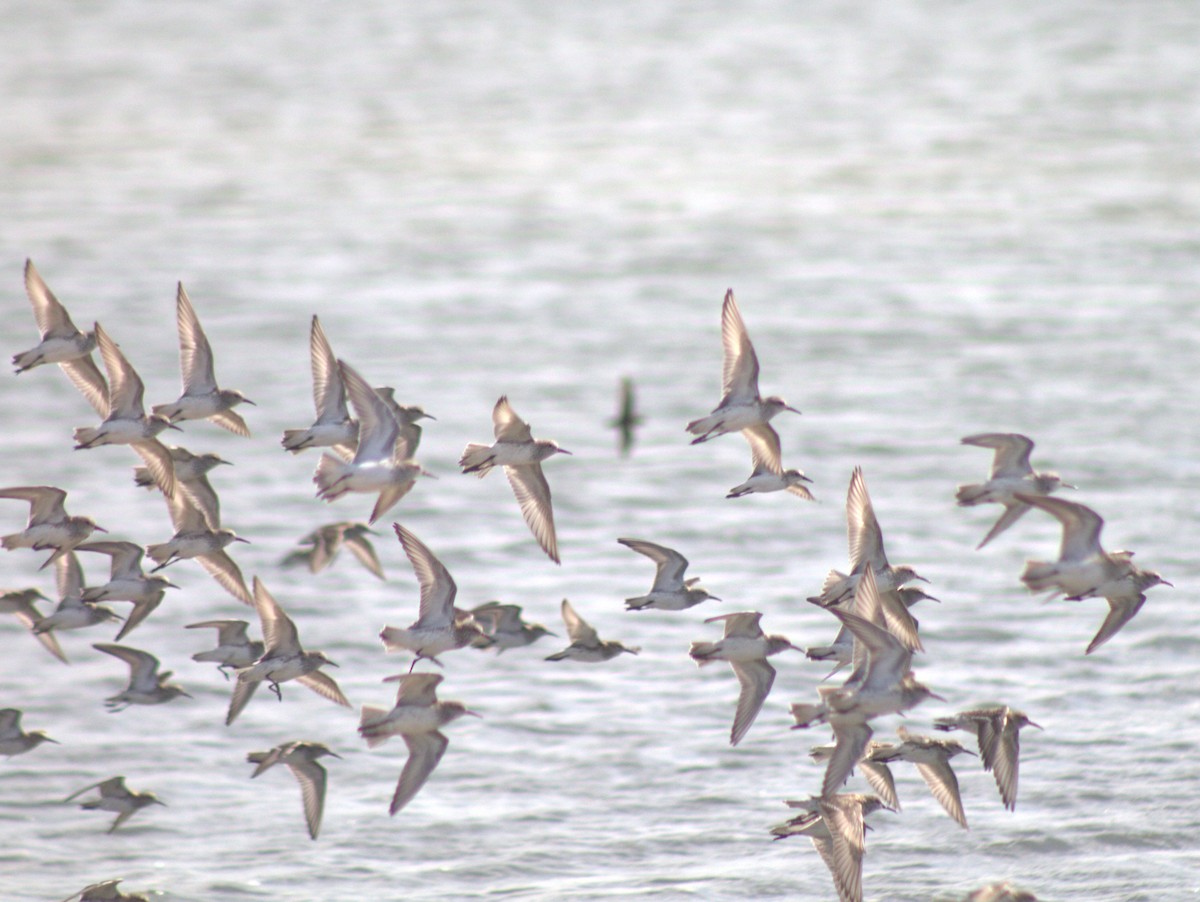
14,740
61,343
586,645
903,626
333,426
319,548
382,463
670,592
284,659
418,717
406,416
997,729
835,824
627,419
768,474
1125,598
301,759
194,538
521,455
146,685
503,627
746,648
866,549
202,399
127,582
874,770
49,525
191,472
1011,473
115,796
72,612
105,891
125,419
234,648
1083,566
932,758
741,405
439,627
22,603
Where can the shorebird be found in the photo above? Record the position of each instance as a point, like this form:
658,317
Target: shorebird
406,416
835,824
932,758
191,472
115,796
1083,566
670,592
903,626
439,627
503,627
21,603
105,891
333,426
417,717
234,648
61,343
768,474
127,582
1125,598
382,463
195,538
49,525
72,612
746,648
865,538
321,546
202,399
875,771
146,685
741,405
301,759
284,659
586,645
125,420
521,455
14,740
627,418
997,729
1011,473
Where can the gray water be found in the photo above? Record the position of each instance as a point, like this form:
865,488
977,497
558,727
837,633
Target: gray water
940,218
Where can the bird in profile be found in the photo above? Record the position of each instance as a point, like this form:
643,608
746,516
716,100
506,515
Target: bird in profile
873,770
127,582
146,685
521,455
319,548
741,405
670,592
49,525
382,462
768,474
932,758
417,717
202,398
997,729
14,740
627,419
61,343
195,538
835,824
407,417
586,645
1011,473
115,796
22,604
105,891
125,419
440,626
234,648
301,759
191,472
746,648
72,612
333,426
284,659
503,627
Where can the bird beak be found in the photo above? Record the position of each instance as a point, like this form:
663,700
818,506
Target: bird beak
171,585
1067,485
921,578
971,753
939,698
792,409
429,416
48,739
1038,725
222,460
335,754
98,529
1165,583
240,539
186,694
177,429
427,474
564,451
474,714
248,401
160,802
713,598
335,664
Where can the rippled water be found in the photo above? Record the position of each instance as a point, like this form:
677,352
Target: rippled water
940,218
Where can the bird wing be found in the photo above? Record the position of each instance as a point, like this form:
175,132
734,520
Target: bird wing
204,496
739,372
507,426
243,690
418,690
756,679
765,453
312,778
1013,511
231,420
579,631
279,632
125,387
195,353
425,750
1081,525
942,782
227,573
126,557
862,527
364,552
329,391
739,624
68,576
852,739
533,495
1120,612
671,564
437,586
1012,452
52,318
143,666
377,427
158,461
86,376
325,686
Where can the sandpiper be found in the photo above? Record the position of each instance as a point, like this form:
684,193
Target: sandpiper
105,891
834,823
202,399
301,759
127,582
146,685
407,416
503,627
195,538
320,547
115,796
521,455
768,474
234,648
72,612
586,644
932,758
670,592
21,603
627,418
49,525
997,729
14,740
191,472
741,405
333,426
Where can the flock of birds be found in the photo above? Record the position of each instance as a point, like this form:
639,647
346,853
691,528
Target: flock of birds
372,452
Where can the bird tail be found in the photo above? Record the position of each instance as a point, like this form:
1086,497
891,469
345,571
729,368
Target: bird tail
331,470
701,652
639,603
12,541
296,440
1038,576
476,459
160,554
142,477
969,495
85,436
369,724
